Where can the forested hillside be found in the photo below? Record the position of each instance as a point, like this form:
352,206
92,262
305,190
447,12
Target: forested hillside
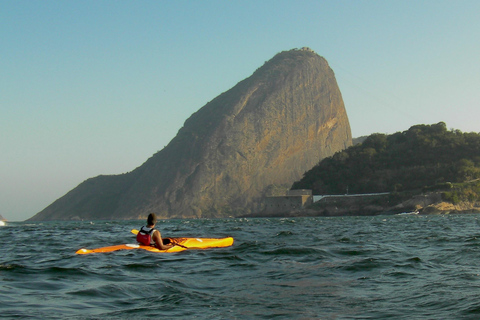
425,157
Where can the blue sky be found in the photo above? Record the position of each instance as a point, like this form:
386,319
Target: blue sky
97,87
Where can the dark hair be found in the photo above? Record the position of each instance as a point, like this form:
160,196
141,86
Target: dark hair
152,219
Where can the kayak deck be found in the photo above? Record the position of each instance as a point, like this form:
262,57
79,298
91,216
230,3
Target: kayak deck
181,244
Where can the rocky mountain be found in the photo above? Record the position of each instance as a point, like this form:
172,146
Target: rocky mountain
258,137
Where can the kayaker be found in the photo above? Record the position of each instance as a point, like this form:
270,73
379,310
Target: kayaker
150,236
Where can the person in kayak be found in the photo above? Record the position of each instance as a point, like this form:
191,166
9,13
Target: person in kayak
149,236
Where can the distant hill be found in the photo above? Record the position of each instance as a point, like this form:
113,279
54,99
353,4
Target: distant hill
256,138
358,140
425,157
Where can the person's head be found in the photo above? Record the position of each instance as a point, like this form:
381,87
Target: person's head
152,219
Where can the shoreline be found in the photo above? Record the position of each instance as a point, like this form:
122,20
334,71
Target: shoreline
424,204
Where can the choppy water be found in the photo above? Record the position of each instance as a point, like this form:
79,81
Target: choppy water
395,267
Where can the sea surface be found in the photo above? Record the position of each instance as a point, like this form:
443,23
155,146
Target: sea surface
383,267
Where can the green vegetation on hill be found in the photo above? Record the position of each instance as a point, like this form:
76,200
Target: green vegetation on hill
467,191
425,158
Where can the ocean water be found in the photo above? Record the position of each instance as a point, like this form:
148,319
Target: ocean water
384,267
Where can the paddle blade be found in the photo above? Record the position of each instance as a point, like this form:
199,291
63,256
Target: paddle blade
134,231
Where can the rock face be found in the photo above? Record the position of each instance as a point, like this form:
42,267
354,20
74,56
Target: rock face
262,134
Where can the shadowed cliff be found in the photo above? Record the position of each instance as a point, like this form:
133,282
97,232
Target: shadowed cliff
261,135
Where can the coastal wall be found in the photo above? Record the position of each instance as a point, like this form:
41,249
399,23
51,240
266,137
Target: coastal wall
293,201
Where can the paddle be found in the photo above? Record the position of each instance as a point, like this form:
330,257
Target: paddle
135,231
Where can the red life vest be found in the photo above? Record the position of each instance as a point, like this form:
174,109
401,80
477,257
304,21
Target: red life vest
145,237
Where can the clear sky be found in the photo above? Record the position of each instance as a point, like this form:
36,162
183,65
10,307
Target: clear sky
97,87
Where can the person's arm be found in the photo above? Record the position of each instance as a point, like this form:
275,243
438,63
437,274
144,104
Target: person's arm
157,237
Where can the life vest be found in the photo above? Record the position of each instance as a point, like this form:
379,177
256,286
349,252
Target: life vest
145,236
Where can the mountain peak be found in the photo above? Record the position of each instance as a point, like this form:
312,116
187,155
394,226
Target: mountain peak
262,134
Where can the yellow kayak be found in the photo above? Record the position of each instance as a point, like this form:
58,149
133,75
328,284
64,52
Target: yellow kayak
181,244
